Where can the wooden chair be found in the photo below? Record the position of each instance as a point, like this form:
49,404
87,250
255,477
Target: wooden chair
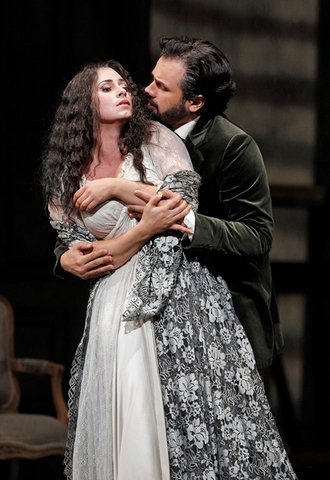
28,436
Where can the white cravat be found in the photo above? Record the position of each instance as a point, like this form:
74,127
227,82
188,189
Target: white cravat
185,129
183,132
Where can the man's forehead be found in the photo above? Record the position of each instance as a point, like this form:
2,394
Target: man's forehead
168,71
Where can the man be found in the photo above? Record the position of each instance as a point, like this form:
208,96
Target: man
192,84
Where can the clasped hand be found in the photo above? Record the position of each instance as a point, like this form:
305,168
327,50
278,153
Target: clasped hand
169,212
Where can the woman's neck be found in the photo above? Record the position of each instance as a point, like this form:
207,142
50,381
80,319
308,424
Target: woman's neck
107,159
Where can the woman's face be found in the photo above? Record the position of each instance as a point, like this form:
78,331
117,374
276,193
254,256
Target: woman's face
115,102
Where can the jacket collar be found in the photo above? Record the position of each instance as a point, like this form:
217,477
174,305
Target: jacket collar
196,139
200,133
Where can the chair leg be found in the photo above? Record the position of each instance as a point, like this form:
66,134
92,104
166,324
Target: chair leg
14,469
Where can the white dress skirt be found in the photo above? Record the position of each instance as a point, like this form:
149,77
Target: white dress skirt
120,427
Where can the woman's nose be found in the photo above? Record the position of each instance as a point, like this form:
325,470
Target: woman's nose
122,91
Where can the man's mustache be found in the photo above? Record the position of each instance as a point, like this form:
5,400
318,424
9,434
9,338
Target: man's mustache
152,102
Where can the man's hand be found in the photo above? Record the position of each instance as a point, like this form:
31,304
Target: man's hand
165,211
136,211
86,262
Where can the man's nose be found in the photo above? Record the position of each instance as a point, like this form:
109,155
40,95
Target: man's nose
149,89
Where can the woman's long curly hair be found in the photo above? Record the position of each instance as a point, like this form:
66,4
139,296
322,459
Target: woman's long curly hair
73,136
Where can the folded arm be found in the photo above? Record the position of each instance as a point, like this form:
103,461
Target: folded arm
97,191
157,217
92,259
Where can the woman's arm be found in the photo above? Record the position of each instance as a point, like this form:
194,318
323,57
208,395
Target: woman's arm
97,191
156,219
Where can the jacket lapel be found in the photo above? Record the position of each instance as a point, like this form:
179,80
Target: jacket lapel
195,155
195,140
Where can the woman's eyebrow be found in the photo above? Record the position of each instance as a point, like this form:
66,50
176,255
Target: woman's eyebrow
106,81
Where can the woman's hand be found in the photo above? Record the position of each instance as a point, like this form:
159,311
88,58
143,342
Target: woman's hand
98,191
93,193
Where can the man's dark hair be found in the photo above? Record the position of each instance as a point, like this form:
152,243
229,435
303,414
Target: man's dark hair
208,71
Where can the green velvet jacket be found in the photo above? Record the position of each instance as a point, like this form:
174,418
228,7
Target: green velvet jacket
234,227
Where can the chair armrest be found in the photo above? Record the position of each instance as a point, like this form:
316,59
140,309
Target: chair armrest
37,366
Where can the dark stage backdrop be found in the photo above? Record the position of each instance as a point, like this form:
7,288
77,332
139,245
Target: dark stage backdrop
43,44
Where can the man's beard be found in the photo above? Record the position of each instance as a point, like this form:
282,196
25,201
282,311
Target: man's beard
171,116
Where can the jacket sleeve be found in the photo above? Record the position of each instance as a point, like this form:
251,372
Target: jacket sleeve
59,249
237,193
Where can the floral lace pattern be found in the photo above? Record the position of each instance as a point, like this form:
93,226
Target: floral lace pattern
70,233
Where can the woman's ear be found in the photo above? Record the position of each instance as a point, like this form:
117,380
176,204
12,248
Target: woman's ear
195,103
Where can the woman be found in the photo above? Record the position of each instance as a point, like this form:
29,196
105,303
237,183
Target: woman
164,383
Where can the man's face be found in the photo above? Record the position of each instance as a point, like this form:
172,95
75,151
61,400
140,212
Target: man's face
165,94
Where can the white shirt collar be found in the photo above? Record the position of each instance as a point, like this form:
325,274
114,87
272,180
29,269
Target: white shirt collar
185,129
